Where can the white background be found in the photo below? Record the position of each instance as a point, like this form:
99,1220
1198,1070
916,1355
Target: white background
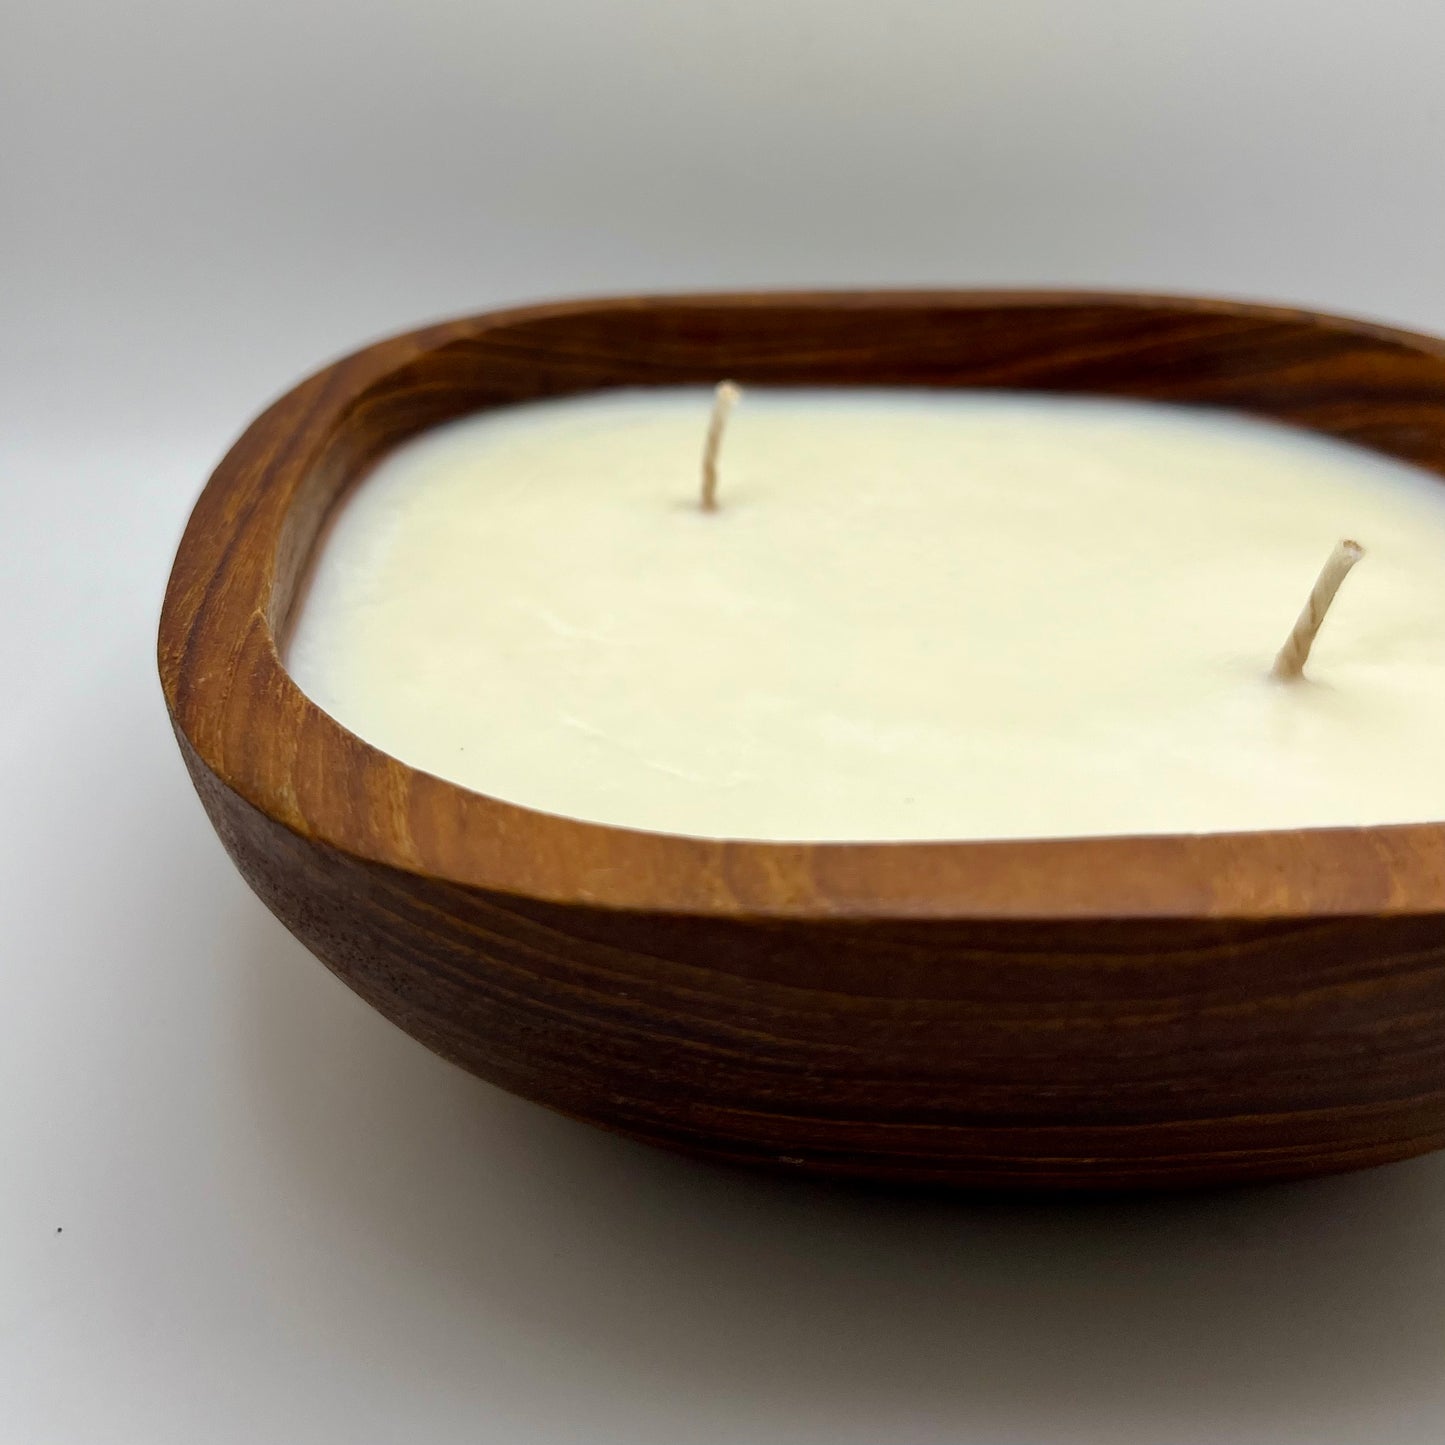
237,1206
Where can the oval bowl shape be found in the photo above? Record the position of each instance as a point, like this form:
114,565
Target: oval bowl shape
1061,1014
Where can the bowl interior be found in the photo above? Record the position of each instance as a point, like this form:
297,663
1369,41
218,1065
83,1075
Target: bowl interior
249,544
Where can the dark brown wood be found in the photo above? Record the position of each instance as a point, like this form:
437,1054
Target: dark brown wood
1086,1013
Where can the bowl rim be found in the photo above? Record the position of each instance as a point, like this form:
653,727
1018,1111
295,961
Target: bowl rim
245,725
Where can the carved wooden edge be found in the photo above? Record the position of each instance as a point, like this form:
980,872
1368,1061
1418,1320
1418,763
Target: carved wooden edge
253,527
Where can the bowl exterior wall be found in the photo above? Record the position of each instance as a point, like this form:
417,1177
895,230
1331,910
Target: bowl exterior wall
993,1055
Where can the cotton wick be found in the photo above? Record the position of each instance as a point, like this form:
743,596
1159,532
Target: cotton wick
725,398
1289,664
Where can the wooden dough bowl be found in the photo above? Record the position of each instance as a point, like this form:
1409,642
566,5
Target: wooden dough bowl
1064,1014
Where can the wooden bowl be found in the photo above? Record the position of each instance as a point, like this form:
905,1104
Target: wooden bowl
1061,1014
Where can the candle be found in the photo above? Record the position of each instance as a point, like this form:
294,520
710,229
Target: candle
908,615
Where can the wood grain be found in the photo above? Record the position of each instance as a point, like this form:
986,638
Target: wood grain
1059,1014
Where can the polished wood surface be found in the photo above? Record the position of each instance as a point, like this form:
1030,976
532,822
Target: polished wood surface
1059,1014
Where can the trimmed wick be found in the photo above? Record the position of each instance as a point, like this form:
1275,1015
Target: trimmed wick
725,398
1289,663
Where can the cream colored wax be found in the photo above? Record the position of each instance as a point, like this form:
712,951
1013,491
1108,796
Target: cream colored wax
914,615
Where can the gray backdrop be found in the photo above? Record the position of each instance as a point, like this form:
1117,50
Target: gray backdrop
235,1205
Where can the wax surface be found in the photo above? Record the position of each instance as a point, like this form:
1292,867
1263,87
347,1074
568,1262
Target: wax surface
916,616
